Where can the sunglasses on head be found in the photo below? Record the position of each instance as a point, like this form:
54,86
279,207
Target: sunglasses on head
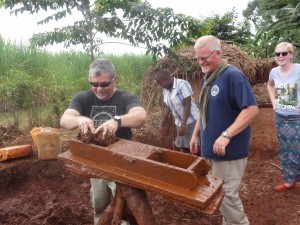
101,84
277,54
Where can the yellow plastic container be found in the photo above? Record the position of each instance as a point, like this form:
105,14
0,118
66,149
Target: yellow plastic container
47,141
33,133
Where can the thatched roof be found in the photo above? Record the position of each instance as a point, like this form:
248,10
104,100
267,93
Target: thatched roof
183,66
263,68
240,59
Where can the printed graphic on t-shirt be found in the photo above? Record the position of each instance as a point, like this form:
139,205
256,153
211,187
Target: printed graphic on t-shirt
100,114
286,96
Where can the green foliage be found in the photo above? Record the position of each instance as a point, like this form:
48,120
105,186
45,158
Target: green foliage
131,70
275,21
97,17
261,45
286,14
255,13
18,93
227,27
36,87
160,30
154,27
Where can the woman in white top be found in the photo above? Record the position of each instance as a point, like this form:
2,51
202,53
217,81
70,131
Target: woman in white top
284,90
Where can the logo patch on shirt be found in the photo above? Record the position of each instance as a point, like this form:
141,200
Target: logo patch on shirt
214,90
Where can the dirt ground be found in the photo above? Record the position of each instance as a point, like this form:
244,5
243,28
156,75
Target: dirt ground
37,192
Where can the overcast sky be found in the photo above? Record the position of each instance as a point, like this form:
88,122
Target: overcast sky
19,29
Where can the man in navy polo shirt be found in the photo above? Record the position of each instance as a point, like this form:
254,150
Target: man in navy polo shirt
227,107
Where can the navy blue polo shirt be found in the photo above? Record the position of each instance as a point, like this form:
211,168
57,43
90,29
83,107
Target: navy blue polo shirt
229,94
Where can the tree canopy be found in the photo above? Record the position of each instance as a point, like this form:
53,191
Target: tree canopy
275,21
227,27
159,30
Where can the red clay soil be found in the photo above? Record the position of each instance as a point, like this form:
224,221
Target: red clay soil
37,192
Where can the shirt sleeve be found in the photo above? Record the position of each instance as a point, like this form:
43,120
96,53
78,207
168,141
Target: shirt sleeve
242,92
272,73
186,89
77,102
131,101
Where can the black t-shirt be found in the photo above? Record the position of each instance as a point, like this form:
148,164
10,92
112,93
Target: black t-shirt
87,104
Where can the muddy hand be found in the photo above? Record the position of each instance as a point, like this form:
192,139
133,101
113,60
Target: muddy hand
109,126
85,124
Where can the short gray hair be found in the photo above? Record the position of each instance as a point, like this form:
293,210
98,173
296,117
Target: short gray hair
100,66
211,41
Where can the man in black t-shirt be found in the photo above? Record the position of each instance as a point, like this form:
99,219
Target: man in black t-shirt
103,107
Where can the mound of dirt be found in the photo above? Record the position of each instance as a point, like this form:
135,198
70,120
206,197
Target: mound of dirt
41,192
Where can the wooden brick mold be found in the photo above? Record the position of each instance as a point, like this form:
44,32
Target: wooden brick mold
176,175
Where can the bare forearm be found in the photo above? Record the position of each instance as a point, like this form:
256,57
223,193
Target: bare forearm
187,109
243,120
194,144
69,122
71,119
196,131
135,118
271,91
186,113
165,115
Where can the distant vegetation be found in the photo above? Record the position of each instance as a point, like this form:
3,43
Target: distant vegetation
36,86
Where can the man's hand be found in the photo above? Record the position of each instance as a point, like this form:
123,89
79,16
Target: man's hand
182,130
108,126
194,145
219,147
85,124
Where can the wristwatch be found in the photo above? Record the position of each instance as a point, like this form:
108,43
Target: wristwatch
118,119
226,134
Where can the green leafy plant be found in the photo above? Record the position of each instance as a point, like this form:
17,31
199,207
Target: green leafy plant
159,30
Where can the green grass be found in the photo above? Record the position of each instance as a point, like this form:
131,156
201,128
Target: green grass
36,86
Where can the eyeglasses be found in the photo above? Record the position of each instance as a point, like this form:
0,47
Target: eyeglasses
101,84
203,59
277,54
